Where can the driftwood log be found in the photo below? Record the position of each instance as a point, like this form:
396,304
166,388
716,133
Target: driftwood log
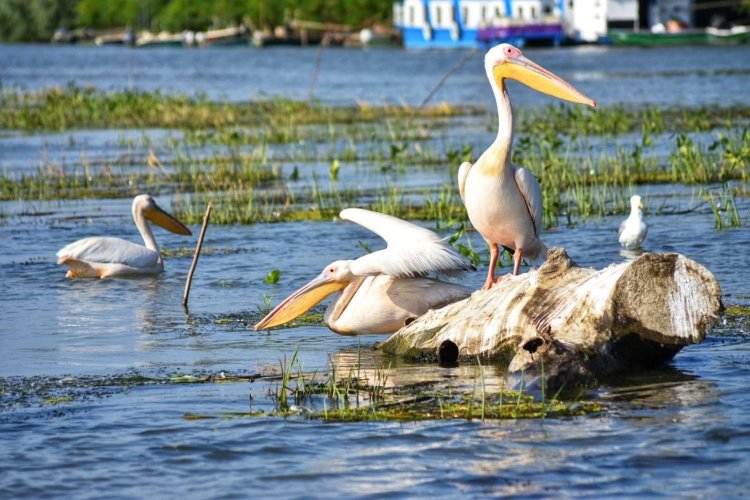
565,325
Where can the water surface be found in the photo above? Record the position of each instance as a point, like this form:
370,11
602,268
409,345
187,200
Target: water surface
667,76
677,431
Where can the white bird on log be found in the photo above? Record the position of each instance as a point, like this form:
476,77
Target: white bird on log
504,202
384,290
633,230
107,257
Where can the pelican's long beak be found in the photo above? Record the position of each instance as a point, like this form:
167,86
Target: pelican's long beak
161,218
519,68
301,301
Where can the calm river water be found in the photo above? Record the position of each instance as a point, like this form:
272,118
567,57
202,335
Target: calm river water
679,431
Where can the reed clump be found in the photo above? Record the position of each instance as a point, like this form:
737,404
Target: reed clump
259,161
74,107
576,121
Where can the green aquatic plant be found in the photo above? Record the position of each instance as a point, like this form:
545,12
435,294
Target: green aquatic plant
724,207
113,180
466,250
272,277
264,309
734,152
333,172
574,121
281,399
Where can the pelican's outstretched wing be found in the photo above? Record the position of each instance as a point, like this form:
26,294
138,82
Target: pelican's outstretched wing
532,194
412,250
108,250
463,172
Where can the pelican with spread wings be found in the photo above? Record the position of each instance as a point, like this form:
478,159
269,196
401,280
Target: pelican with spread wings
107,257
380,292
504,202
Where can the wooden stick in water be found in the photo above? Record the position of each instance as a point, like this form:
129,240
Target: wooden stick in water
198,246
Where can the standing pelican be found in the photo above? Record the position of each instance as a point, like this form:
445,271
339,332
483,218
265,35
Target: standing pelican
106,257
504,202
633,230
381,291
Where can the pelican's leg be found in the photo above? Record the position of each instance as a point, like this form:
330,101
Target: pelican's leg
494,252
517,255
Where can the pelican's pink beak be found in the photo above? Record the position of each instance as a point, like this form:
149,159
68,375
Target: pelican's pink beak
301,301
519,68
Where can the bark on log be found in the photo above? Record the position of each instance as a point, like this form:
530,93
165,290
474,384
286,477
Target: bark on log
570,324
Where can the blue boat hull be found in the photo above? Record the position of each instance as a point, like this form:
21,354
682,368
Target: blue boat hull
442,38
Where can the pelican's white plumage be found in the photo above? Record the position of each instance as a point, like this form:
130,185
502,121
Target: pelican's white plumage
105,256
633,230
412,250
504,202
381,291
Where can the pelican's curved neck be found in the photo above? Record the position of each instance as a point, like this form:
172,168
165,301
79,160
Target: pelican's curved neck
145,229
501,145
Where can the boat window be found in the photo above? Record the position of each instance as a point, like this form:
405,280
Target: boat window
438,16
411,15
466,15
520,12
497,12
484,13
533,12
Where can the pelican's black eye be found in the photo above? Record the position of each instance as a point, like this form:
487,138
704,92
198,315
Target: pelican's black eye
331,270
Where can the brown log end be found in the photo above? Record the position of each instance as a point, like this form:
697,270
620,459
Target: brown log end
666,298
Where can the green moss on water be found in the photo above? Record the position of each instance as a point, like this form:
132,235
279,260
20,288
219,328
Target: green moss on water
340,398
736,310
433,410
59,400
188,252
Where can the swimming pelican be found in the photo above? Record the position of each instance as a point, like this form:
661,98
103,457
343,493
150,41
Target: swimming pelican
504,202
633,230
379,292
106,257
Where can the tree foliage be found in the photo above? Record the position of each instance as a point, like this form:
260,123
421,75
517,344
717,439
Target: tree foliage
36,20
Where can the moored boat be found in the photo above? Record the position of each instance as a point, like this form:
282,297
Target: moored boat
481,23
521,33
234,35
734,35
648,38
163,39
713,36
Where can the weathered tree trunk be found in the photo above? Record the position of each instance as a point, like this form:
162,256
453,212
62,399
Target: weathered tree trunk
570,324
